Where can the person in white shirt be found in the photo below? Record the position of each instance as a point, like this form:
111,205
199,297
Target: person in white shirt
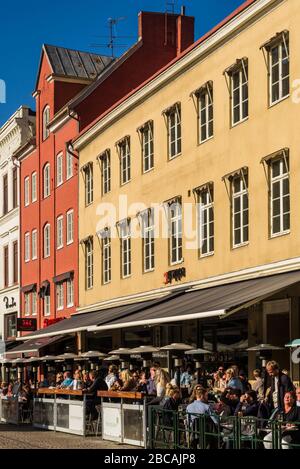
112,377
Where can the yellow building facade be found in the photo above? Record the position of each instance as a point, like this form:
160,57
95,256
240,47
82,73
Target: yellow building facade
241,161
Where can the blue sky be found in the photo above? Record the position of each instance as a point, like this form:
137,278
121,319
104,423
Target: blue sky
26,25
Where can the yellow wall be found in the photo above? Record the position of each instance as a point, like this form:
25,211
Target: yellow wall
266,131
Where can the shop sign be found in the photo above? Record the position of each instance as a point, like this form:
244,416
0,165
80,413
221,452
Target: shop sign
26,324
9,302
176,275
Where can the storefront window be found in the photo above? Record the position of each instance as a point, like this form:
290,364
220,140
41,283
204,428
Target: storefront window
10,326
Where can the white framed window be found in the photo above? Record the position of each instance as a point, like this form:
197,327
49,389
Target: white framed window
89,264
125,160
26,191
240,209
27,298
174,131
33,187
47,305
69,164
27,247
47,240
59,169
46,180
206,113
70,226
105,172
175,224
59,232
59,296
34,244
125,239
106,257
148,230
206,220
147,138
280,196
279,68
34,303
70,293
89,184
46,120
239,93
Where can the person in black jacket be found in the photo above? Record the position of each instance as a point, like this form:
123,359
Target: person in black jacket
97,384
248,405
280,385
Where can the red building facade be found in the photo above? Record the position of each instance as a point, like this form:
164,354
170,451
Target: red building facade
71,84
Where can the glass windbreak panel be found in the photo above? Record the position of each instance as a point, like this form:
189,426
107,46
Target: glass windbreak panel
63,411
133,424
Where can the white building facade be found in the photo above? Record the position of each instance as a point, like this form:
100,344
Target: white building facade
13,135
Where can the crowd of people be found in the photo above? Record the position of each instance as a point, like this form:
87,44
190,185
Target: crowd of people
223,393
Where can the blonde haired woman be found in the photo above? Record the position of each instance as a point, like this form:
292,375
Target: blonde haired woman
232,381
161,380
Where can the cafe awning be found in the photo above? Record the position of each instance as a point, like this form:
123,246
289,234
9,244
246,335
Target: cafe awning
216,301
34,345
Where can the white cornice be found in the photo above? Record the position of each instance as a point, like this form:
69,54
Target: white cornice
217,39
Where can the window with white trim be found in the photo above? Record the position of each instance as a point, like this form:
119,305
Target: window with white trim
70,226
175,227
174,131
206,113
89,184
70,293
27,298
239,93
147,146
105,172
125,239
34,244
106,256
240,209
69,164
46,180
27,247
26,191
46,120
280,196
59,232
148,230
59,169
206,220
47,240
33,187
59,296
34,303
125,160
47,305
89,264
279,65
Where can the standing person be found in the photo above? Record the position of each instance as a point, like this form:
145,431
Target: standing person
280,385
186,378
151,388
97,384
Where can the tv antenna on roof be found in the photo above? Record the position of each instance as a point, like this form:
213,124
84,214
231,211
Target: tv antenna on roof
112,23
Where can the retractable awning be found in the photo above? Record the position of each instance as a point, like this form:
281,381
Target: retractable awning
34,345
205,303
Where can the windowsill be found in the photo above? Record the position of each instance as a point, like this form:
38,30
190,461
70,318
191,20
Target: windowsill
70,242
149,271
171,158
241,245
172,264
26,261
125,183
206,140
279,101
47,315
69,177
33,201
46,197
126,277
204,256
103,194
233,125
59,247
60,309
106,283
60,184
46,257
278,235
70,305
148,170
34,259
90,203
89,288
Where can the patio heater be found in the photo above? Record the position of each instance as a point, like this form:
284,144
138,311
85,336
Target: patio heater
49,360
265,354
177,350
124,354
196,354
33,366
67,360
6,364
145,351
19,363
92,357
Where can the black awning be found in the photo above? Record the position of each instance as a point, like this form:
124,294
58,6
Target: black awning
63,277
28,288
34,345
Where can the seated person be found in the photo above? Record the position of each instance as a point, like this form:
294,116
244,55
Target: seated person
77,383
171,404
232,398
67,380
290,417
248,405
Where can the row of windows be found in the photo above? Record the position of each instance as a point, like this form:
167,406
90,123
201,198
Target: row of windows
62,301
6,264
47,178
6,189
238,85
279,190
69,237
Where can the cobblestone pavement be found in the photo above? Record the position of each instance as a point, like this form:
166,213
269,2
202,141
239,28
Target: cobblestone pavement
23,437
